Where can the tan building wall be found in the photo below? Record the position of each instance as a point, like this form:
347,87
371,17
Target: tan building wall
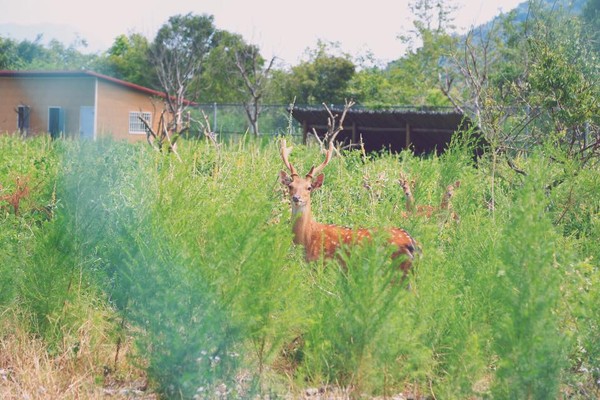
114,105
40,94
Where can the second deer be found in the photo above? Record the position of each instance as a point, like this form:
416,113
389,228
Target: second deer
324,240
427,210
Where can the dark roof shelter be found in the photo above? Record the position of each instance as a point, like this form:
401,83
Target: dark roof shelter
425,130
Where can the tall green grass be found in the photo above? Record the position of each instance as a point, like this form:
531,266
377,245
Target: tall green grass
195,259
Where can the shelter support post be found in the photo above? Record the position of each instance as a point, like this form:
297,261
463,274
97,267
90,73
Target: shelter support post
304,132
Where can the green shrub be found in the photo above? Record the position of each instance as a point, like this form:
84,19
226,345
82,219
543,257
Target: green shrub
531,349
197,259
348,339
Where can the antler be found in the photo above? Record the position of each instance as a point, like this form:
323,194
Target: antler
315,171
405,182
285,152
403,178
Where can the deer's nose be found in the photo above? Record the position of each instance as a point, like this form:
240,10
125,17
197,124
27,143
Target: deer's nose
296,198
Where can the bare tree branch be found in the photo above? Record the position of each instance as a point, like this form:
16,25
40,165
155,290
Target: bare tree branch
254,77
333,127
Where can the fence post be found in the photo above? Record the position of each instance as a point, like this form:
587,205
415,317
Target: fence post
215,117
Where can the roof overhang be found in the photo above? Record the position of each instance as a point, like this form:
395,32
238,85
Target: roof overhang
86,74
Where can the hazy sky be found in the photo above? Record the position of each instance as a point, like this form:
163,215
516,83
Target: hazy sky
281,28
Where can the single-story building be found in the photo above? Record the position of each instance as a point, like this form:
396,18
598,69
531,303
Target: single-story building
422,129
76,103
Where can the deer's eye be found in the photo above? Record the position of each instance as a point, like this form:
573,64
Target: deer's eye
309,188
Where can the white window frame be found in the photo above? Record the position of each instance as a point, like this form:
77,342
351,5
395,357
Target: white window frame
136,127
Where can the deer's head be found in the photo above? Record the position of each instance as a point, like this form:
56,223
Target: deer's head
300,188
450,189
445,204
406,185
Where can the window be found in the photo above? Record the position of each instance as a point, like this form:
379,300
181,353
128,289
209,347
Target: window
23,119
135,125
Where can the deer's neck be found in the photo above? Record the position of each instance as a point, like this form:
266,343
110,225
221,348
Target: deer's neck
445,204
303,225
410,202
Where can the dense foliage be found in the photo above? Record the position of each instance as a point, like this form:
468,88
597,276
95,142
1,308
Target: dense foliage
194,260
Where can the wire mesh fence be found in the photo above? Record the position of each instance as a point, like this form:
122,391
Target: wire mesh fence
229,120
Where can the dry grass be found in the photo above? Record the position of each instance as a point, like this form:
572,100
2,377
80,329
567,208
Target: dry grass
89,371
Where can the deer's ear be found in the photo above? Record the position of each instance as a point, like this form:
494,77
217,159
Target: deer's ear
284,178
318,182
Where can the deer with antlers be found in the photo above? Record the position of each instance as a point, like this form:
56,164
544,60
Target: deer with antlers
426,210
324,240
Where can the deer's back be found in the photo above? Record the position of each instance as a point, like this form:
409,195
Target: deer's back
329,238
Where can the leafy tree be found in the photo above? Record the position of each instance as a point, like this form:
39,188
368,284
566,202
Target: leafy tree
180,49
563,75
414,78
373,87
128,59
61,57
322,78
432,15
591,18
9,55
219,81
430,43
28,54
235,72
534,81
31,52
178,54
